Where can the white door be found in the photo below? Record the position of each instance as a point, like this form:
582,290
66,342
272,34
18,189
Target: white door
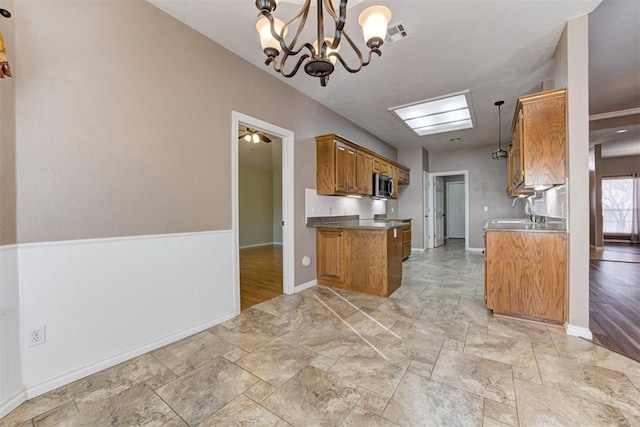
438,202
427,209
455,210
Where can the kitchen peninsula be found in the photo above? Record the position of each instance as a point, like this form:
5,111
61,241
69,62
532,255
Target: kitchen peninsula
359,255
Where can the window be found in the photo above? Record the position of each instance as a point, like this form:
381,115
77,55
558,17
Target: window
617,206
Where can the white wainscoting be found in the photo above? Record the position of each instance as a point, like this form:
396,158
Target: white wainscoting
104,301
11,387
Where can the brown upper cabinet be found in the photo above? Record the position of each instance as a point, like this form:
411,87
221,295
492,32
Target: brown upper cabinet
539,146
345,168
512,163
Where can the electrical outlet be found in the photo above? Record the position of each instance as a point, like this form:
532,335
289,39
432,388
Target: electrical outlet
36,335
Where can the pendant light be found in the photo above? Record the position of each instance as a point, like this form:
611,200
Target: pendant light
499,153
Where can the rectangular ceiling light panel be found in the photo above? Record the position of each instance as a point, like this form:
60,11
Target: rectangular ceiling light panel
437,115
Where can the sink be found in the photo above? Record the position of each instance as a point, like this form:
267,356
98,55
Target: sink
511,221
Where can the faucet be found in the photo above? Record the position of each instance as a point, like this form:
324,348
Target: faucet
528,207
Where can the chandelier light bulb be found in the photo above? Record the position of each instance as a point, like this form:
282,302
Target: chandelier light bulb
247,138
374,21
255,138
329,41
266,38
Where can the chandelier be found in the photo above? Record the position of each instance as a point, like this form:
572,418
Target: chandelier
320,56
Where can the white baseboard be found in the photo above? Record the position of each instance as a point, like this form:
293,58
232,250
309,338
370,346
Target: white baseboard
12,403
306,285
578,331
418,249
38,389
475,249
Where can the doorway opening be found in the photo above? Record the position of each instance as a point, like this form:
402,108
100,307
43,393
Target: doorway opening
446,207
262,210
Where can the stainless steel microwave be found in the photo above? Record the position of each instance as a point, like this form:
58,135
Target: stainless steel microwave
382,186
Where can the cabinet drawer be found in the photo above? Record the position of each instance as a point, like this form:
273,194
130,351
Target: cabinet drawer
406,235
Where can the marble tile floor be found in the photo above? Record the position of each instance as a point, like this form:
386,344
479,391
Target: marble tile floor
429,355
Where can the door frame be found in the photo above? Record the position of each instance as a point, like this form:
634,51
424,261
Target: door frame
432,175
287,136
427,206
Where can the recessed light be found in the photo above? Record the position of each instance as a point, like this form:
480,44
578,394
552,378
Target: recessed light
622,131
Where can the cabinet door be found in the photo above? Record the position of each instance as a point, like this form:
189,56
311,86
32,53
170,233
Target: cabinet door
377,165
512,162
393,173
364,170
517,177
526,274
331,263
403,176
543,148
345,169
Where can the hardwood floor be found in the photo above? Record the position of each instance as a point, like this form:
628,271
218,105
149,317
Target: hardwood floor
260,274
614,280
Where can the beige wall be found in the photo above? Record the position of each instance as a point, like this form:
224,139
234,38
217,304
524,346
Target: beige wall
126,129
487,185
572,71
410,197
8,136
255,204
616,166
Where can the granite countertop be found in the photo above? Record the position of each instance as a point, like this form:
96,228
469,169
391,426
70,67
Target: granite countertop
553,227
352,221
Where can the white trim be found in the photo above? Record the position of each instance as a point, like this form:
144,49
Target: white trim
305,286
288,237
612,114
432,175
578,331
475,249
76,374
57,243
257,245
427,198
12,403
418,249
8,247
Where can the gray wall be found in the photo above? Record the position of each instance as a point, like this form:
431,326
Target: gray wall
487,185
615,166
124,129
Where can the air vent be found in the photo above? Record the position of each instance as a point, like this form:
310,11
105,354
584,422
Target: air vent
395,33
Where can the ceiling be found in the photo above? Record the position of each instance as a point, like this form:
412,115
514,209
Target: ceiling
497,49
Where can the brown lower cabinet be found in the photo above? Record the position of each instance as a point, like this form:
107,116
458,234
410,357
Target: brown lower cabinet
363,260
406,240
526,275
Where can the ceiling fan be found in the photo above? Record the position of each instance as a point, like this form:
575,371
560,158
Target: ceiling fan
255,136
